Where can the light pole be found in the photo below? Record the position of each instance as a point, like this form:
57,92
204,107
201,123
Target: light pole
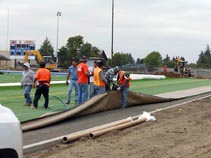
57,37
8,16
112,31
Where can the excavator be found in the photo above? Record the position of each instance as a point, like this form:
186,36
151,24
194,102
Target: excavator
181,66
47,59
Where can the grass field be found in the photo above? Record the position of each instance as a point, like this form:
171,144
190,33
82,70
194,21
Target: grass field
12,97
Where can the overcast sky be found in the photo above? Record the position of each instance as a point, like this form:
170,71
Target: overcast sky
173,27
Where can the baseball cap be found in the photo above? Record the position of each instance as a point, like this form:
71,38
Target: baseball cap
27,64
83,58
127,74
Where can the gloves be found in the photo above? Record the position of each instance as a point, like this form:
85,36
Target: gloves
120,88
66,82
91,73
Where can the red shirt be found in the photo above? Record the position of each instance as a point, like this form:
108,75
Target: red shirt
82,70
165,68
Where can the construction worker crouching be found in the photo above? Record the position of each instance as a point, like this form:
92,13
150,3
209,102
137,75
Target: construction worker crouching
123,80
99,79
109,75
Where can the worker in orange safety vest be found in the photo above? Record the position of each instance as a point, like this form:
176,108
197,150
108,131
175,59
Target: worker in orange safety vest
99,79
123,80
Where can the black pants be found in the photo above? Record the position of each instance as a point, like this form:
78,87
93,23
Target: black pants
42,89
107,86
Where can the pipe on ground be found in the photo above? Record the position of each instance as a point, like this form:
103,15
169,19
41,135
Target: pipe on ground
117,127
84,133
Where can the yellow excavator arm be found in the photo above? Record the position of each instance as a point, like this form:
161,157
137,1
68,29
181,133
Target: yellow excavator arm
178,60
34,52
50,65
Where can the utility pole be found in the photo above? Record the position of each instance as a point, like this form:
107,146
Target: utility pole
112,31
57,37
8,16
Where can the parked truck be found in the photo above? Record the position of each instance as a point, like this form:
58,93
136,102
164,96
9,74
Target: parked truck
10,134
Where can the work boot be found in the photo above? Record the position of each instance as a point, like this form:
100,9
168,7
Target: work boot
33,107
67,102
27,104
45,107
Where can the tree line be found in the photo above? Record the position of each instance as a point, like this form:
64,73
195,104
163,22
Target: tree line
77,47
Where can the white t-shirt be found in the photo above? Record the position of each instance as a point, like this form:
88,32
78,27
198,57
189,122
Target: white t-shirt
91,72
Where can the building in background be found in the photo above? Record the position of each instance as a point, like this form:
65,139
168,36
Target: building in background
18,49
4,59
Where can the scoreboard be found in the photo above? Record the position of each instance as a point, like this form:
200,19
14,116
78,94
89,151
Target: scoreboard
19,47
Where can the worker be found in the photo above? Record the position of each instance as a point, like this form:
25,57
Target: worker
123,80
26,83
99,79
91,79
109,76
83,74
72,76
165,68
43,79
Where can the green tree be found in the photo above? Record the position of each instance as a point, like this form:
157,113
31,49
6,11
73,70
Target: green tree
131,59
46,49
88,50
139,61
122,59
75,42
168,62
203,61
152,60
75,48
64,57
207,53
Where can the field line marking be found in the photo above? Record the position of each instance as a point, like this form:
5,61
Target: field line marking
176,105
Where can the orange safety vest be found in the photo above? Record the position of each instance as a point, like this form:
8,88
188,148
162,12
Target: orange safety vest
122,79
97,79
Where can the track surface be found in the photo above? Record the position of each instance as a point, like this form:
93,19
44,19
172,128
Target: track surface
90,121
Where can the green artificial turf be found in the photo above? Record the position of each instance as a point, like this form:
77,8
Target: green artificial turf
13,98
167,85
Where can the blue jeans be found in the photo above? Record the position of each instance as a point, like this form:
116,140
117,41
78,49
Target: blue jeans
92,90
73,84
83,92
124,96
99,90
27,90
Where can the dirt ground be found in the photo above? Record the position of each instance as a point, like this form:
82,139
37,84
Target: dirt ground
180,132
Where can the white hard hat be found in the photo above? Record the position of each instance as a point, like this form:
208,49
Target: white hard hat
27,64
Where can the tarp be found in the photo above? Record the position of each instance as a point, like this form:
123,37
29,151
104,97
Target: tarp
103,102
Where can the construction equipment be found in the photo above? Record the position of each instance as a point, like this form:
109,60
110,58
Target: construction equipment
47,59
181,66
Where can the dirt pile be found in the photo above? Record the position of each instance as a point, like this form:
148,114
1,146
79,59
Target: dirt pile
183,131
